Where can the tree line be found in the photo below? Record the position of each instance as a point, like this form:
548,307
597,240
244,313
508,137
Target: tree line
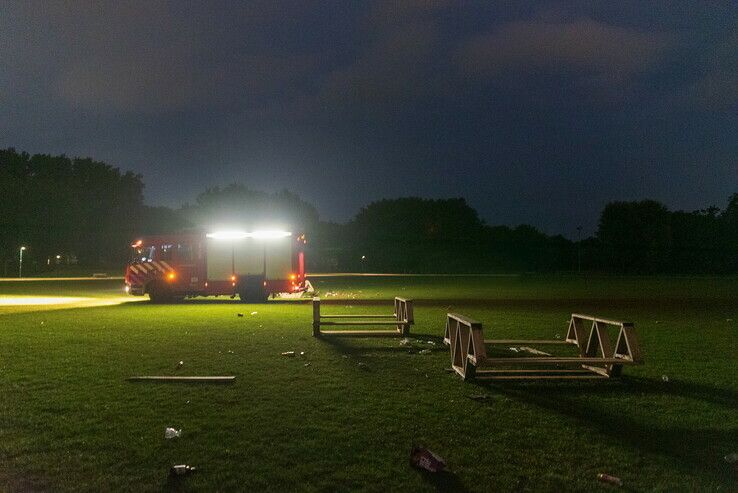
81,211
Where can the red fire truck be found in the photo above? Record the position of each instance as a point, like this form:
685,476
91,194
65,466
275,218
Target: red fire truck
252,265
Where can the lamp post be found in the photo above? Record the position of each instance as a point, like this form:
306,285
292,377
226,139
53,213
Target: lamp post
20,263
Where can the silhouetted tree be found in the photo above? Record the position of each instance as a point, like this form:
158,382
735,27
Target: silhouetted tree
236,206
57,205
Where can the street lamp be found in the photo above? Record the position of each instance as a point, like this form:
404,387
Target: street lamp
20,263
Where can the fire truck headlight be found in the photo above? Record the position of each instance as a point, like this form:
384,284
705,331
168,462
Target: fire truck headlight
239,235
171,276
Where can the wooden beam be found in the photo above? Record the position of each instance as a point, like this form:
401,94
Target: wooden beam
591,376
525,341
358,316
365,322
362,333
554,360
600,320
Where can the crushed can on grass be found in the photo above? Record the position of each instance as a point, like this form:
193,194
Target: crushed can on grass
606,478
181,470
291,354
422,458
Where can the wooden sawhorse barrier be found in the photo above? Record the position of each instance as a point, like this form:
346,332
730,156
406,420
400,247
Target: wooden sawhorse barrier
597,357
402,319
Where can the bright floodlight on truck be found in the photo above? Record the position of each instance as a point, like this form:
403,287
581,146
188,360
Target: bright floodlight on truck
238,235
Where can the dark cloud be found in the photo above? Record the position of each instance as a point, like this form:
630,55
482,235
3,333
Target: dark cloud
587,49
346,102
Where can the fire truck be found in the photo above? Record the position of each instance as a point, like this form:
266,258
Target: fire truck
252,265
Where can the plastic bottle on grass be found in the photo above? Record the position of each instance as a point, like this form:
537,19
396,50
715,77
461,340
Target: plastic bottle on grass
181,470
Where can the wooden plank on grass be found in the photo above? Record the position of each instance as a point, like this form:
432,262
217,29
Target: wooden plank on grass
223,379
361,333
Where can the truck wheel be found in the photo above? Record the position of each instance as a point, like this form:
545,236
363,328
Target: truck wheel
252,291
159,293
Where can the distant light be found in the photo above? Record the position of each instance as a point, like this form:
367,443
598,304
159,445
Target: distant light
269,234
227,235
239,235
23,248
127,289
58,257
363,257
233,278
137,244
171,276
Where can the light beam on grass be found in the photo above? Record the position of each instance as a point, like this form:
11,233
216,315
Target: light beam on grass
39,300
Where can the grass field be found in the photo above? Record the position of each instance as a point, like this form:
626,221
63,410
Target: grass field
70,421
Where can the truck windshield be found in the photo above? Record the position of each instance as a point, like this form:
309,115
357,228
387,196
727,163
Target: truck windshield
142,253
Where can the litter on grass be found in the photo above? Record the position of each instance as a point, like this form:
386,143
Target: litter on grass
425,351
479,397
606,478
363,366
180,364
291,354
422,458
181,470
664,378
254,313
405,341
172,433
530,350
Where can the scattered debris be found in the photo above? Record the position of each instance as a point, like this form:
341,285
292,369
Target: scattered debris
291,354
558,336
302,353
422,458
664,378
479,397
345,356
306,364
180,364
239,314
425,351
405,341
534,351
254,313
606,478
172,433
181,470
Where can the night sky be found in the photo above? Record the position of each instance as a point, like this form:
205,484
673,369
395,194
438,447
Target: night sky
536,112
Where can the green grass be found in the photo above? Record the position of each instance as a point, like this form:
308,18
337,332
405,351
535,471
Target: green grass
70,421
